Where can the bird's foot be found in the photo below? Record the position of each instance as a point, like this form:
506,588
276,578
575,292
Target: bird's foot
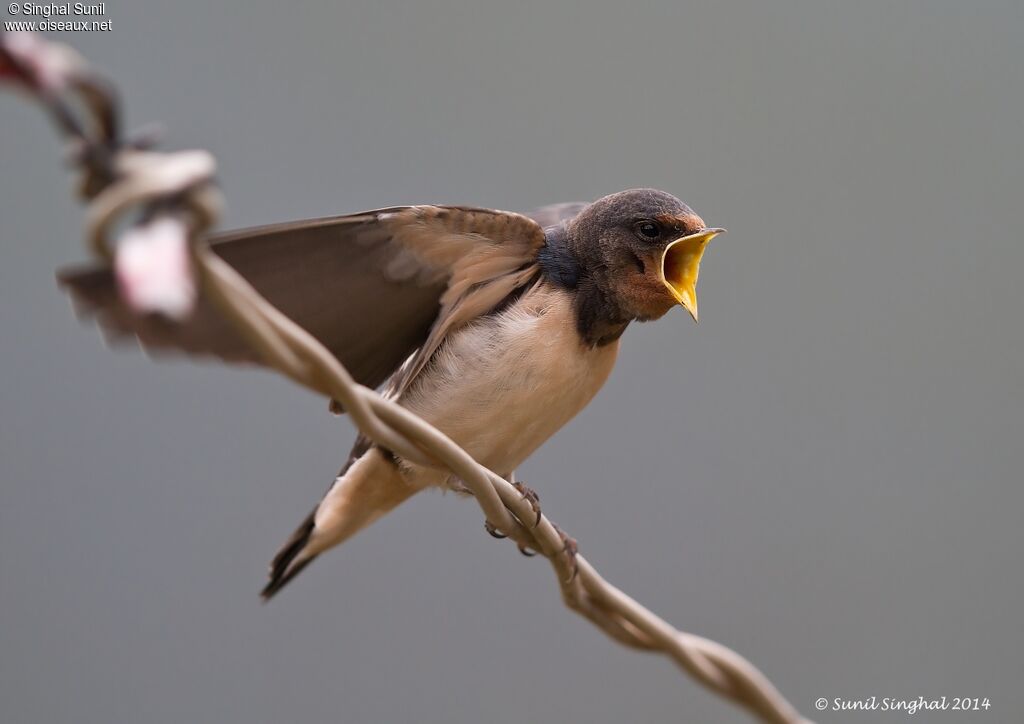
570,548
530,495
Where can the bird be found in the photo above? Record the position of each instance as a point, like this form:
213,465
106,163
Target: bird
493,326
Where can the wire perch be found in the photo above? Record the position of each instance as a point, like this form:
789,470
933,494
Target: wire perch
171,199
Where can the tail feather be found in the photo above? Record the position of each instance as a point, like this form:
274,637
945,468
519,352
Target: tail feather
370,487
281,568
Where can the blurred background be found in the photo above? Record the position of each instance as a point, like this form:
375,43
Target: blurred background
825,474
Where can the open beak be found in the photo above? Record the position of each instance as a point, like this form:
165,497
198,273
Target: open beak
680,265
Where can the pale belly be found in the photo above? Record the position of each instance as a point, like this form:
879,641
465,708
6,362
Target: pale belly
501,387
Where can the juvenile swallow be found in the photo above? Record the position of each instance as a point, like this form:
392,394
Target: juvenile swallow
495,327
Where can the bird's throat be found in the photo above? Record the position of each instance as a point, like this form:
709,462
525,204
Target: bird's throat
598,320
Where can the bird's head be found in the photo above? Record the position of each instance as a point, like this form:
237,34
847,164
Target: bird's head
643,248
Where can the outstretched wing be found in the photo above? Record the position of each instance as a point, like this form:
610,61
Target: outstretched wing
369,286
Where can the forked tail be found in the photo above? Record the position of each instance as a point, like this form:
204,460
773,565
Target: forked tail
368,489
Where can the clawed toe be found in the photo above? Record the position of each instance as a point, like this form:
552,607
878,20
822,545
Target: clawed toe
527,552
571,548
531,497
492,531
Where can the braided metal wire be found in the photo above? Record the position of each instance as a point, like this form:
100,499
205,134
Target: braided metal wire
123,177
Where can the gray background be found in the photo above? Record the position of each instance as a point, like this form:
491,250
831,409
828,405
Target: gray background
825,474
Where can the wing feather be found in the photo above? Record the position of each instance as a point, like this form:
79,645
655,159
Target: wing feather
370,286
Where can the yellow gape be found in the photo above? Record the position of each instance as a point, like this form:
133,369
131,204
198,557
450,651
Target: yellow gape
680,266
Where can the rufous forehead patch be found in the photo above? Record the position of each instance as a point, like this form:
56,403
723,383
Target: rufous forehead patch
686,223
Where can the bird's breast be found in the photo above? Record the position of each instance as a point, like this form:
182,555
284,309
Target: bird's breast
504,384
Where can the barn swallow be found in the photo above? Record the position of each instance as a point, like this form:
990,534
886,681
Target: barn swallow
495,327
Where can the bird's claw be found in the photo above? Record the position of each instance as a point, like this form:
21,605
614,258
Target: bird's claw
570,547
527,552
492,531
530,495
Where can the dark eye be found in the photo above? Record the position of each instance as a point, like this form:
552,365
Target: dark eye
647,229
